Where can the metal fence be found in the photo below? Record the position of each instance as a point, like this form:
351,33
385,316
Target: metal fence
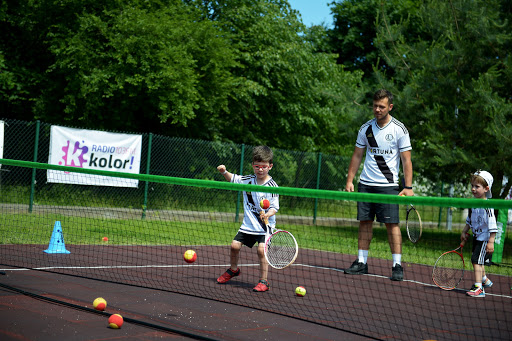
162,155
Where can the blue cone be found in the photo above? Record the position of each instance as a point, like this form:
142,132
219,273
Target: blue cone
57,241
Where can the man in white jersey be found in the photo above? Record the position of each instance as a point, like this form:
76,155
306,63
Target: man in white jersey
386,142
253,228
482,222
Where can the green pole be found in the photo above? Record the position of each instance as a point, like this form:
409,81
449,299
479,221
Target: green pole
440,209
33,180
240,193
146,187
317,185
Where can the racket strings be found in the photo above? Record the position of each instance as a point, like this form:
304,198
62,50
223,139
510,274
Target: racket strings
448,270
281,249
413,225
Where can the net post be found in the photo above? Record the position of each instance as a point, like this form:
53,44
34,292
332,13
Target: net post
146,186
317,186
33,180
239,193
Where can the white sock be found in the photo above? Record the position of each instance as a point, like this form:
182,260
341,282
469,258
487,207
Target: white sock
363,256
478,285
484,279
397,258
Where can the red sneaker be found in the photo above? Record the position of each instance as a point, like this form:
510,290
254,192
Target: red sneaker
262,286
476,292
226,276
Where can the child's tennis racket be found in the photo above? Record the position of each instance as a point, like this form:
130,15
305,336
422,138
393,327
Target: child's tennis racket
413,224
281,248
449,269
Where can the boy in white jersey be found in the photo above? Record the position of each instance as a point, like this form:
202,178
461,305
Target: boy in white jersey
386,142
483,225
253,227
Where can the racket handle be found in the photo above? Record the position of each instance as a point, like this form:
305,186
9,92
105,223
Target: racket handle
265,220
462,243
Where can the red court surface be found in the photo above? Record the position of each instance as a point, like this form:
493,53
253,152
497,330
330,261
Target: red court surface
152,314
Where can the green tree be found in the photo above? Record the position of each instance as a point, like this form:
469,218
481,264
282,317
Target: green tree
117,65
453,85
235,70
288,95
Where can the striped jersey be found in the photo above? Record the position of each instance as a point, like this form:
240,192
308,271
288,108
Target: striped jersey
383,148
252,223
482,222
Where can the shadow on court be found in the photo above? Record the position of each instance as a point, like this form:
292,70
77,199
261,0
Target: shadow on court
34,312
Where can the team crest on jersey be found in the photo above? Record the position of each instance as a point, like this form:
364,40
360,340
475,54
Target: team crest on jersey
389,137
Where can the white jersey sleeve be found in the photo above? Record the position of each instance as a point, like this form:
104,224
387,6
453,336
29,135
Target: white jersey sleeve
252,223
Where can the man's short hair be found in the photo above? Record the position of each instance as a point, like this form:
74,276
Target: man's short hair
383,93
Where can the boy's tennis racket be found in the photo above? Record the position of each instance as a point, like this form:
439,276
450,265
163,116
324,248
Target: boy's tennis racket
413,224
449,269
281,248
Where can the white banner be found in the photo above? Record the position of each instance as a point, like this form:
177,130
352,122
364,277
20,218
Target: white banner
93,149
1,140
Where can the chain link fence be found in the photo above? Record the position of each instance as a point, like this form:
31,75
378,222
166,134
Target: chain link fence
166,156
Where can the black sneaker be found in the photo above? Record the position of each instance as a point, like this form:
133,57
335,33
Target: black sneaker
397,273
357,268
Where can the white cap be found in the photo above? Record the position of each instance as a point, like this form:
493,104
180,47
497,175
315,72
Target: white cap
489,179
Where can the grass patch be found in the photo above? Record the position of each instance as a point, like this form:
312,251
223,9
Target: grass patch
28,228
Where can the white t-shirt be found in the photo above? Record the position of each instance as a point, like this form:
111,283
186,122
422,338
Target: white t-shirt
482,222
383,148
252,223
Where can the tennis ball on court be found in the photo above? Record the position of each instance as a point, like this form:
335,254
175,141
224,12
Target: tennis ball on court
99,304
190,256
115,321
105,239
264,203
300,291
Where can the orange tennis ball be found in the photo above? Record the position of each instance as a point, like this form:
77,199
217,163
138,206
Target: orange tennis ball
115,321
300,291
105,239
264,203
190,256
100,304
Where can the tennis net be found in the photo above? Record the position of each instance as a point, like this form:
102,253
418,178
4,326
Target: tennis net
134,237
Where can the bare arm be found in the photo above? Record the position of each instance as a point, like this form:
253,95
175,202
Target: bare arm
227,175
490,244
353,167
407,166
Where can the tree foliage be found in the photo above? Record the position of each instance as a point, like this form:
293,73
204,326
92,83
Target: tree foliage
217,70
453,83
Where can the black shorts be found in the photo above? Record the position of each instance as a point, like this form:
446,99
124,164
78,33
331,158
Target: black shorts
385,213
249,239
479,255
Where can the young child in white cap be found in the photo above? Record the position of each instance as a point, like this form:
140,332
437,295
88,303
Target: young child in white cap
483,225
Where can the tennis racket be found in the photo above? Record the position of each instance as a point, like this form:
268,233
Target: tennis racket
281,248
413,224
449,269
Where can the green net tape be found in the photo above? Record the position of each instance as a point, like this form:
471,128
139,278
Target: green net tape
288,191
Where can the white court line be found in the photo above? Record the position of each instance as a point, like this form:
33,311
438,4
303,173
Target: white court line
405,280
224,265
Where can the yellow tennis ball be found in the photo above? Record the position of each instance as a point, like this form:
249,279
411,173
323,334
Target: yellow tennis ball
115,321
190,256
100,304
300,291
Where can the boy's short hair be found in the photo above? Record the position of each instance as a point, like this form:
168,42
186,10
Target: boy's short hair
475,178
383,93
262,154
